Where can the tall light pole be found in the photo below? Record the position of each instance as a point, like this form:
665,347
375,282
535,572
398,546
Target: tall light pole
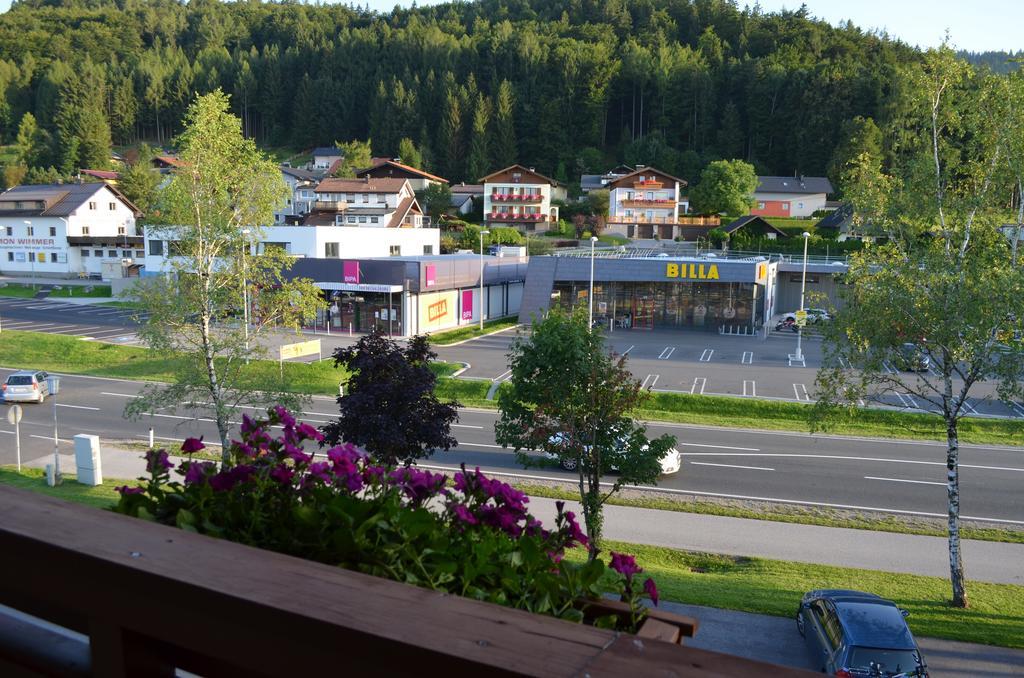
803,288
482,234
593,240
245,292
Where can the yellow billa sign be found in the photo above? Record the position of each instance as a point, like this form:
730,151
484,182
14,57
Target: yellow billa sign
692,271
300,349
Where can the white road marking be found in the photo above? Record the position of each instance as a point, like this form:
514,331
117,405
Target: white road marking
1017,408
705,357
120,395
801,392
888,368
50,438
79,407
208,443
901,480
752,468
748,357
698,386
503,375
848,458
626,352
749,388
667,353
653,381
970,408
908,400
844,363
717,447
453,425
794,502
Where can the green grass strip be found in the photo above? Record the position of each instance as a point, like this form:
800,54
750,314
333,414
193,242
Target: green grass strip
99,496
787,513
26,291
448,337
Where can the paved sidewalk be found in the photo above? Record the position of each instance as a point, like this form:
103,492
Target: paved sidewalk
889,552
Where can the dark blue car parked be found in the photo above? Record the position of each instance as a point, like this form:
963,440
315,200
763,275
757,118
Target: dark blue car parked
854,634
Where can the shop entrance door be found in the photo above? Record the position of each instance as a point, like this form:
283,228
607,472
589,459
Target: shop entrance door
643,313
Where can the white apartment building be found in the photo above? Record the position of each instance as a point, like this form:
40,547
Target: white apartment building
67,231
519,197
366,202
646,202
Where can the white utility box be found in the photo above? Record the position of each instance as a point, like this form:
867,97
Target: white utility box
87,459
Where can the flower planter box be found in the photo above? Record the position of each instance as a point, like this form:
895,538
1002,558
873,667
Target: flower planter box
659,624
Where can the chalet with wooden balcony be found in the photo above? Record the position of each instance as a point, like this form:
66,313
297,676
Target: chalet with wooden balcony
386,168
519,197
648,203
368,203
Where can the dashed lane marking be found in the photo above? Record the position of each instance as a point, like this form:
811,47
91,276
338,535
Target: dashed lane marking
751,468
902,480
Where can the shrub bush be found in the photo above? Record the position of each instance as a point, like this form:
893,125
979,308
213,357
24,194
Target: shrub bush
472,536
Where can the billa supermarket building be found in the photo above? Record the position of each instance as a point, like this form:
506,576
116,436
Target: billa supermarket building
662,291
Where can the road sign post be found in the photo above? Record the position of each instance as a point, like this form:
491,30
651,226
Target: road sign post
14,417
801,318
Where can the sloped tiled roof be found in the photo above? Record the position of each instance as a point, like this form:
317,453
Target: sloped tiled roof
382,162
299,173
520,168
106,175
60,199
797,185
326,150
647,170
753,220
385,185
472,189
404,208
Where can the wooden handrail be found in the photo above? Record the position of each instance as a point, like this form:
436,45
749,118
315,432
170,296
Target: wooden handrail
151,598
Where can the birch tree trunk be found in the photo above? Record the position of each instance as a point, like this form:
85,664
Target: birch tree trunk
956,566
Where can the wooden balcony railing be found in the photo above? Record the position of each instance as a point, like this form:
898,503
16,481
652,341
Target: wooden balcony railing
518,198
647,185
660,203
681,221
153,598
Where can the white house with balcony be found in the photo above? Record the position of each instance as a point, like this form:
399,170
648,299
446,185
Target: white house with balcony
366,202
520,197
647,203
68,231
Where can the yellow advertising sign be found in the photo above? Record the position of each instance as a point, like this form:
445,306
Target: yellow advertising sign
692,271
300,349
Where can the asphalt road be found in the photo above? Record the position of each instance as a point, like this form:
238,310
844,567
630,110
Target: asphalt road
664,360
890,475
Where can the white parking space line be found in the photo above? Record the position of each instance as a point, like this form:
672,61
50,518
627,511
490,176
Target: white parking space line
16,324
643,384
698,386
888,368
844,363
79,407
801,392
1018,409
751,468
908,401
667,353
654,381
749,388
503,375
626,352
970,407
902,480
50,438
748,357
705,357
112,311
453,425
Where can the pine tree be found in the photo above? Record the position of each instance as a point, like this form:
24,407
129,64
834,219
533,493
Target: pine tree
409,154
140,181
83,133
124,108
730,140
449,140
478,163
503,133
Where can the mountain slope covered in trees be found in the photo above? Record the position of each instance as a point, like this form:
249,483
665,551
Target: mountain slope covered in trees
568,86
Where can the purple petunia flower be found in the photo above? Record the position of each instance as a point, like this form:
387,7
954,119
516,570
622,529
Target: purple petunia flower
248,424
307,432
157,461
464,514
625,565
418,485
576,535
225,480
192,445
284,417
651,590
124,489
320,470
296,454
196,472
282,474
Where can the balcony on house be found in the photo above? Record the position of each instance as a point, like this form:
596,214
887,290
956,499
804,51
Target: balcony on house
659,203
535,217
647,185
680,221
131,597
517,198
330,205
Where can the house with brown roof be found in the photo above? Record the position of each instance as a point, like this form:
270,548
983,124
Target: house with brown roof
367,202
386,168
646,203
521,197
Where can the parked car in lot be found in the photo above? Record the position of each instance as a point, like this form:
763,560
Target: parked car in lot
854,634
670,463
25,386
814,315
911,358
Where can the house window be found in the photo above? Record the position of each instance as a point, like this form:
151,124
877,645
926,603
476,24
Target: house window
366,197
428,249
331,250
797,278
800,205
127,254
120,230
85,252
10,256
10,230
785,206
112,254
140,254
112,206
29,230
53,231
85,230
374,220
760,205
98,253
53,257
395,250
362,220
92,205
351,220
156,248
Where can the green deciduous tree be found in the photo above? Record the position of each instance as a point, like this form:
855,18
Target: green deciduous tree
947,285
356,155
409,154
570,398
726,187
140,182
437,198
214,204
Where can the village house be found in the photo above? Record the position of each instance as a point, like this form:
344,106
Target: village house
519,197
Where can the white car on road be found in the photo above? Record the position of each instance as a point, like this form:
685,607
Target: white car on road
670,463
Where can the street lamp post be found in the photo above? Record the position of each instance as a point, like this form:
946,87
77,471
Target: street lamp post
803,288
245,292
53,386
593,239
482,234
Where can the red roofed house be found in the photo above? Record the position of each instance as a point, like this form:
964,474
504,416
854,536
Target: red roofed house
371,203
518,196
386,168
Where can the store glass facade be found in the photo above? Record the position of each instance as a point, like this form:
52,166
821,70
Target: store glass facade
649,305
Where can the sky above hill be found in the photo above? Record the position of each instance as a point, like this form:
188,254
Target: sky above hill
976,26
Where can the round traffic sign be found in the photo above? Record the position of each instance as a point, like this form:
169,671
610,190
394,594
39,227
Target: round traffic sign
14,415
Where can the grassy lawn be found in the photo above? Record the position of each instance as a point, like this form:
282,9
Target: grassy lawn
613,239
447,337
130,305
27,291
785,513
100,496
995,617
56,353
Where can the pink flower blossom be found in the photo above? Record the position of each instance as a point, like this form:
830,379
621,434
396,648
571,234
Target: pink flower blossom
192,445
651,590
625,565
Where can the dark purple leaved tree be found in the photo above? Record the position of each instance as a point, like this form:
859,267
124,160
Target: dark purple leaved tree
389,407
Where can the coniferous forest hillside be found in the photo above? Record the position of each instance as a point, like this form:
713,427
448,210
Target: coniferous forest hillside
568,86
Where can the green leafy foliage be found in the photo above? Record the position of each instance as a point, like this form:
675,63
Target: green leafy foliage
726,187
